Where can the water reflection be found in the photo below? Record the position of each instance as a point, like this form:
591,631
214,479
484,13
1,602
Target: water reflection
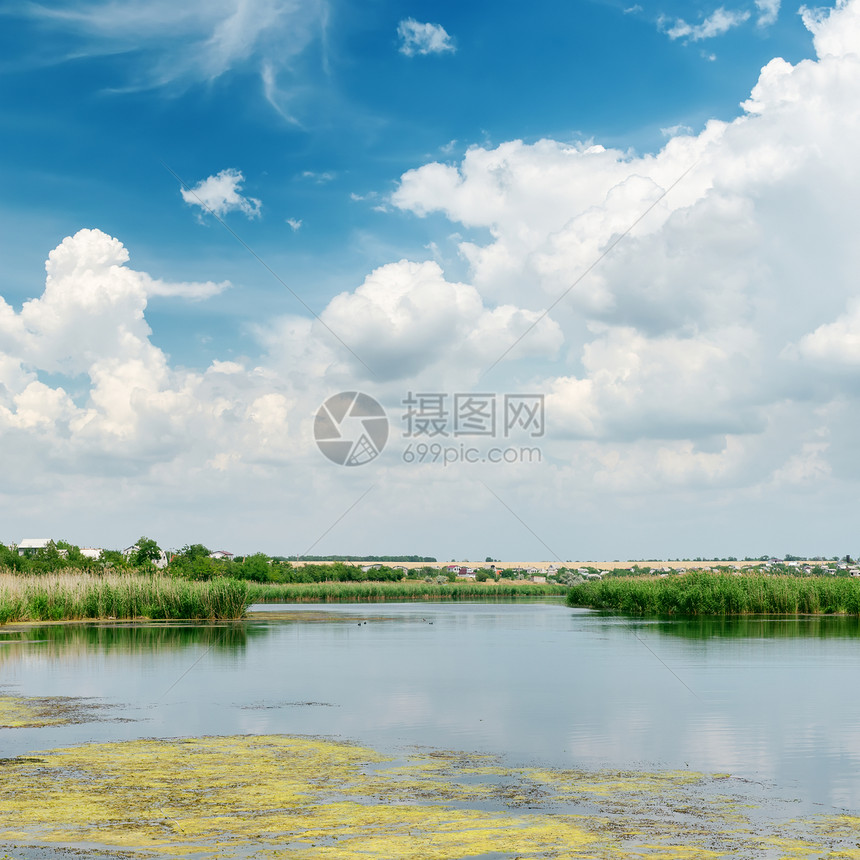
766,627
70,640
737,627
769,699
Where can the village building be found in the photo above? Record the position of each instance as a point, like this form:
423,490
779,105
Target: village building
28,546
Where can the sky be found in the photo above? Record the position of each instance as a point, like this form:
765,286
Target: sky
291,277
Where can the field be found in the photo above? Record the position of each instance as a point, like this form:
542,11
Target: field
701,593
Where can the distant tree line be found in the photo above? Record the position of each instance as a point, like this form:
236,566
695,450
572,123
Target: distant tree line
416,559
193,561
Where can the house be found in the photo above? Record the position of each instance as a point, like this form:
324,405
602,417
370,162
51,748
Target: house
28,546
538,579
160,562
460,569
221,554
91,552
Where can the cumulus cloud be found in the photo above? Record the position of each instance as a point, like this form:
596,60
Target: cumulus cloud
834,34
220,194
716,24
715,347
835,344
90,321
406,318
418,38
683,331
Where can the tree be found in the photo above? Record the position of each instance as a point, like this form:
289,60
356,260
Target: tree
257,567
194,551
146,552
73,553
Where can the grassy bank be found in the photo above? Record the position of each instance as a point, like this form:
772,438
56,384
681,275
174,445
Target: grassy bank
701,593
78,596
333,592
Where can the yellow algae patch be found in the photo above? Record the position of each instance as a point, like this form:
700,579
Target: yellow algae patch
789,848
319,797
615,783
843,825
31,712
314,799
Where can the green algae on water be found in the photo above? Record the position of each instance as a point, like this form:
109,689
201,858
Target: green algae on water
314,799
18,712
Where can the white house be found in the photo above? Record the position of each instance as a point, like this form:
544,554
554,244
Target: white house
32,545
221,553
91,552
160,562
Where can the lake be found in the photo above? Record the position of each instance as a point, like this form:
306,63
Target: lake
769,700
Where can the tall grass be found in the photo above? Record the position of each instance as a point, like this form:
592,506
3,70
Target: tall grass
74,596
332,592
702,593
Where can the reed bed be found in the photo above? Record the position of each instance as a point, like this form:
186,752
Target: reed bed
702,593
334,592
76,596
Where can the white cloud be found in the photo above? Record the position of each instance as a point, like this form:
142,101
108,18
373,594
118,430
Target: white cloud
405,322
171,46
320,177
709,363
835,344
834,34
675,130
418,38
681,332
716,24
768,12
295,224
220,194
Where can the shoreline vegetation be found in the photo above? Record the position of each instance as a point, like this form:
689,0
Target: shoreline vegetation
76,596
334,592
57,582
719,593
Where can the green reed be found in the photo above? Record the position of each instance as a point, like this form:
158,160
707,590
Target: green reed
703,593
71,596
332,592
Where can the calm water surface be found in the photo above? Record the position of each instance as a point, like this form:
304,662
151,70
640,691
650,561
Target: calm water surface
773,700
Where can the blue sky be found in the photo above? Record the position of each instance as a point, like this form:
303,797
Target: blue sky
344,139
